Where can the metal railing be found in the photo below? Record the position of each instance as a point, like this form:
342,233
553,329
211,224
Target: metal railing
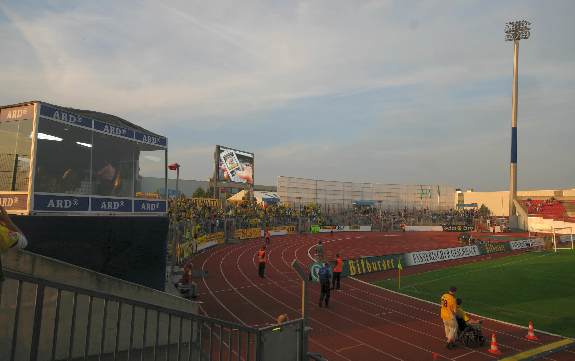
42,320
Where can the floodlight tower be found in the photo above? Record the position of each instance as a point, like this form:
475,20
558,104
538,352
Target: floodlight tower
515,31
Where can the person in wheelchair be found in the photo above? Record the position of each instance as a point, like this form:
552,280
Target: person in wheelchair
469,330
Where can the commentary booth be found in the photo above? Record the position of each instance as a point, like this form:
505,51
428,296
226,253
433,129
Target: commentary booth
72,181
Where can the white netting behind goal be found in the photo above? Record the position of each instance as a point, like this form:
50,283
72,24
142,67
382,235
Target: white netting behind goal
563,238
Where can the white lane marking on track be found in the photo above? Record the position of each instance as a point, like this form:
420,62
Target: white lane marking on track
214,296
377,331
317,321
384,319
427,311
235,289
348,348
465,354
441,325
313,341
284,262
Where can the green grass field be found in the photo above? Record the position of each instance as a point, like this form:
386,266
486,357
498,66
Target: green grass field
538,286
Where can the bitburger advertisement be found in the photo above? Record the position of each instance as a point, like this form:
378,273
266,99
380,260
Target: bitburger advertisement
359,266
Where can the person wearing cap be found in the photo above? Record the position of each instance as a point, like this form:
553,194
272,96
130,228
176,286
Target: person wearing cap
335,282
448,312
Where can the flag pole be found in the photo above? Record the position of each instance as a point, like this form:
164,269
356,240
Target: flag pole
399,268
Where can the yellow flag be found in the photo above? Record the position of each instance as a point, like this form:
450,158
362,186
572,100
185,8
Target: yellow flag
399,266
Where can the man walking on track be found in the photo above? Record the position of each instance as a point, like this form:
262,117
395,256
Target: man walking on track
324,276
448,310
262,261
337,272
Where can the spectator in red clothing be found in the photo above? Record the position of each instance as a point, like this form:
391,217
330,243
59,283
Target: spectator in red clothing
262,262
337,272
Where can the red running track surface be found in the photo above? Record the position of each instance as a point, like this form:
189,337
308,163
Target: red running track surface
363,322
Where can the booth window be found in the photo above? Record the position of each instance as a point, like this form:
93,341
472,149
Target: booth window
112,166
15,145
63,158
150,162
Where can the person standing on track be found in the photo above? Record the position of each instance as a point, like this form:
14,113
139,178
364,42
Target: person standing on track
337,272
262,261
324,278
448,311
319,252
267,236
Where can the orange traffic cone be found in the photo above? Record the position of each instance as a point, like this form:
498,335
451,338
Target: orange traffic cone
531,333
494,349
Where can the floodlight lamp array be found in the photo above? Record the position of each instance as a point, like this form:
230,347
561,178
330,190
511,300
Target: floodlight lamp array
517,30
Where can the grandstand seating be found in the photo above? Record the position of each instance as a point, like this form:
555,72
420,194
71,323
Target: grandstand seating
551,209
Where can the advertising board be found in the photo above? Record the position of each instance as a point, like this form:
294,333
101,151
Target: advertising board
363,265
353,228
440,255
457,228
247,233
525,243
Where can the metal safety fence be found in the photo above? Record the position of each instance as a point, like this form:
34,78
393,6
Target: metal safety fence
44,320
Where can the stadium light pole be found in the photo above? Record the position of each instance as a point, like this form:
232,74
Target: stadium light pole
515,31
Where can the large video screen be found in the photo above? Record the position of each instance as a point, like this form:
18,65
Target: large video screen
234,165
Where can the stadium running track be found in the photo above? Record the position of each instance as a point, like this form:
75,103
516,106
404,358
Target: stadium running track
363,322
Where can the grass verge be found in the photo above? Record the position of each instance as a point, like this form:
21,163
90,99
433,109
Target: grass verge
537,286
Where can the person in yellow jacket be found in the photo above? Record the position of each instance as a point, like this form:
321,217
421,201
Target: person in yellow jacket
10,237
463,320
448,312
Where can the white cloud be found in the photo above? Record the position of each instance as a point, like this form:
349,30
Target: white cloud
197,66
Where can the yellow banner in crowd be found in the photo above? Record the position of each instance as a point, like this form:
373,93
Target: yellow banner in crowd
247,233
288,229
212,202
186,249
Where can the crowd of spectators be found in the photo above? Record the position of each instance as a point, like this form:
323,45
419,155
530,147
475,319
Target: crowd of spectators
394,218
210,217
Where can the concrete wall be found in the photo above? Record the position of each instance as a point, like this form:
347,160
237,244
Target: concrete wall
54,270
497,202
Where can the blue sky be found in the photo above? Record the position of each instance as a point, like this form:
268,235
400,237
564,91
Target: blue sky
382,91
